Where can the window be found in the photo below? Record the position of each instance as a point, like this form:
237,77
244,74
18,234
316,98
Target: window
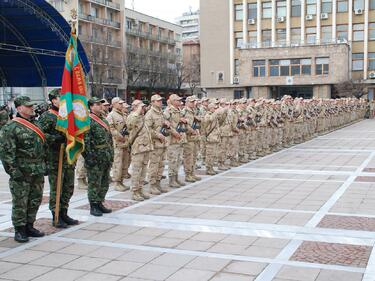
281,8
274,68
266,37
322,66
296,8
342,6
371,61
253,38
259,68
94,12
372,4
326,34
358,32
310,35
58,4
239,39
311,7
359,4
371,31
295,67
281,36
295,35
327,6
305,66
252,11
342,31
284,67
267,10
236,67
357,62
238,12
95,32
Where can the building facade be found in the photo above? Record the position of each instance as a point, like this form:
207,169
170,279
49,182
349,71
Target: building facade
100,29
153,55
190,24
269,48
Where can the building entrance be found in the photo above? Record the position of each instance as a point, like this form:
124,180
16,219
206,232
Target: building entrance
305,92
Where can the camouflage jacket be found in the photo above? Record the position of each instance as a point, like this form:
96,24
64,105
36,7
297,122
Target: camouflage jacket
4,117
47,122
139,134
154,120
98,143
22,151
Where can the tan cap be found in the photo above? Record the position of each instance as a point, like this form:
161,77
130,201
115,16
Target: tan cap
212,105
174,97
223,100
117,100
191,99
213,101
137,103
104,102
156,97
205,99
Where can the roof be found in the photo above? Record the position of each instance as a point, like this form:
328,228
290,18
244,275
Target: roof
33,41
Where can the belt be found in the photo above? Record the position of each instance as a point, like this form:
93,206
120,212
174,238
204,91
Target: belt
101,146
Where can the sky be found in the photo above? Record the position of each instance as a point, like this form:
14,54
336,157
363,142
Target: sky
167,10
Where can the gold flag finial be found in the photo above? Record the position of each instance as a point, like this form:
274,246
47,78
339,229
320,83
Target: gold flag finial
73,14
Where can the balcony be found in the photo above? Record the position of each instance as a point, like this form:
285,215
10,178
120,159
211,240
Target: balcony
100,40
284,44
150,36
100,21
107,3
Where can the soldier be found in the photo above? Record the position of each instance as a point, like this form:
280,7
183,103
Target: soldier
190,148
233,152
106,107
212,137
159,129
141,146
22,152
54,139
117,123
4,115
226,133
177,138
98,156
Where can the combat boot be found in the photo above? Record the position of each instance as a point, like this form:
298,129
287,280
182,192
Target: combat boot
222,167
104,209
60,222
181,183
136,196
154,189
20,234
196,177
119,186
67,219
95,210
210,172
161,188
189,178
173,183
33,232
82,184
144,194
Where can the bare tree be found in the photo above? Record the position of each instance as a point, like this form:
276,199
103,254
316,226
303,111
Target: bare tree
192,73
350,88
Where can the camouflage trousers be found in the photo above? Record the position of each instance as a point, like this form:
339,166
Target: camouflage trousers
156,165
190,151
81,170
27,195
139,169
251,143
224,150
242,143
120,164
98,182
67,186
211,150
233,152
174,153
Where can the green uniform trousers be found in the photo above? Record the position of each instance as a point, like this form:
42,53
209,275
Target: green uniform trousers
98,182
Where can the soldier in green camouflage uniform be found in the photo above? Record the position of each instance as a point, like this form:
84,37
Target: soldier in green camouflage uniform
55,139
22,146
98,156
4,116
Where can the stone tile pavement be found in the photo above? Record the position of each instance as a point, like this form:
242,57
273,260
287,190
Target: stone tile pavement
304,213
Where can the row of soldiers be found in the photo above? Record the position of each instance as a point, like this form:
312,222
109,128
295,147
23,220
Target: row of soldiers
221,133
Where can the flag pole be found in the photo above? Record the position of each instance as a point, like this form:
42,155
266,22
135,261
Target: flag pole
58,184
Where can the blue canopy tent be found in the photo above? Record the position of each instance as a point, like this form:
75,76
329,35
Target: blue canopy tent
33,41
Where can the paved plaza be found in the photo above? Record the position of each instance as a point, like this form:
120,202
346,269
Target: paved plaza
305,213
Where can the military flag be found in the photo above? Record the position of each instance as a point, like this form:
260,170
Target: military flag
73,119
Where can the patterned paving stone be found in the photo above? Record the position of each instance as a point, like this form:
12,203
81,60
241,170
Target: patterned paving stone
42,224
369,170
348,222
115,205
331,253
365,179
